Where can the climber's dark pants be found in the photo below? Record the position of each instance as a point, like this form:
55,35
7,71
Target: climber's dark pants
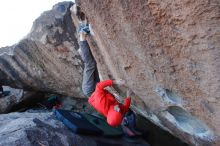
90,73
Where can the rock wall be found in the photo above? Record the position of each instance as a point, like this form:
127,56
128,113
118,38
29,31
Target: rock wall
168,52
47,58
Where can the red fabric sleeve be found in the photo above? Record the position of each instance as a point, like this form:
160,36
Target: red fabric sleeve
101,85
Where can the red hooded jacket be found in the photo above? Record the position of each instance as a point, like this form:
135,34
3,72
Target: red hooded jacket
106,104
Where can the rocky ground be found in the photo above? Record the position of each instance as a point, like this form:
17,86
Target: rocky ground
36,125
43,129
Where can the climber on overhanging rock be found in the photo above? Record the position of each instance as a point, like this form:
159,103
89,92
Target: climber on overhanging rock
106,104
102,100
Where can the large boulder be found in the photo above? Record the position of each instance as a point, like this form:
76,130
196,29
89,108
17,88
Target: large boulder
47,58
168,52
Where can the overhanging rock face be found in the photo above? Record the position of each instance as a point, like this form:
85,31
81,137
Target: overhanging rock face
46,59
168,52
